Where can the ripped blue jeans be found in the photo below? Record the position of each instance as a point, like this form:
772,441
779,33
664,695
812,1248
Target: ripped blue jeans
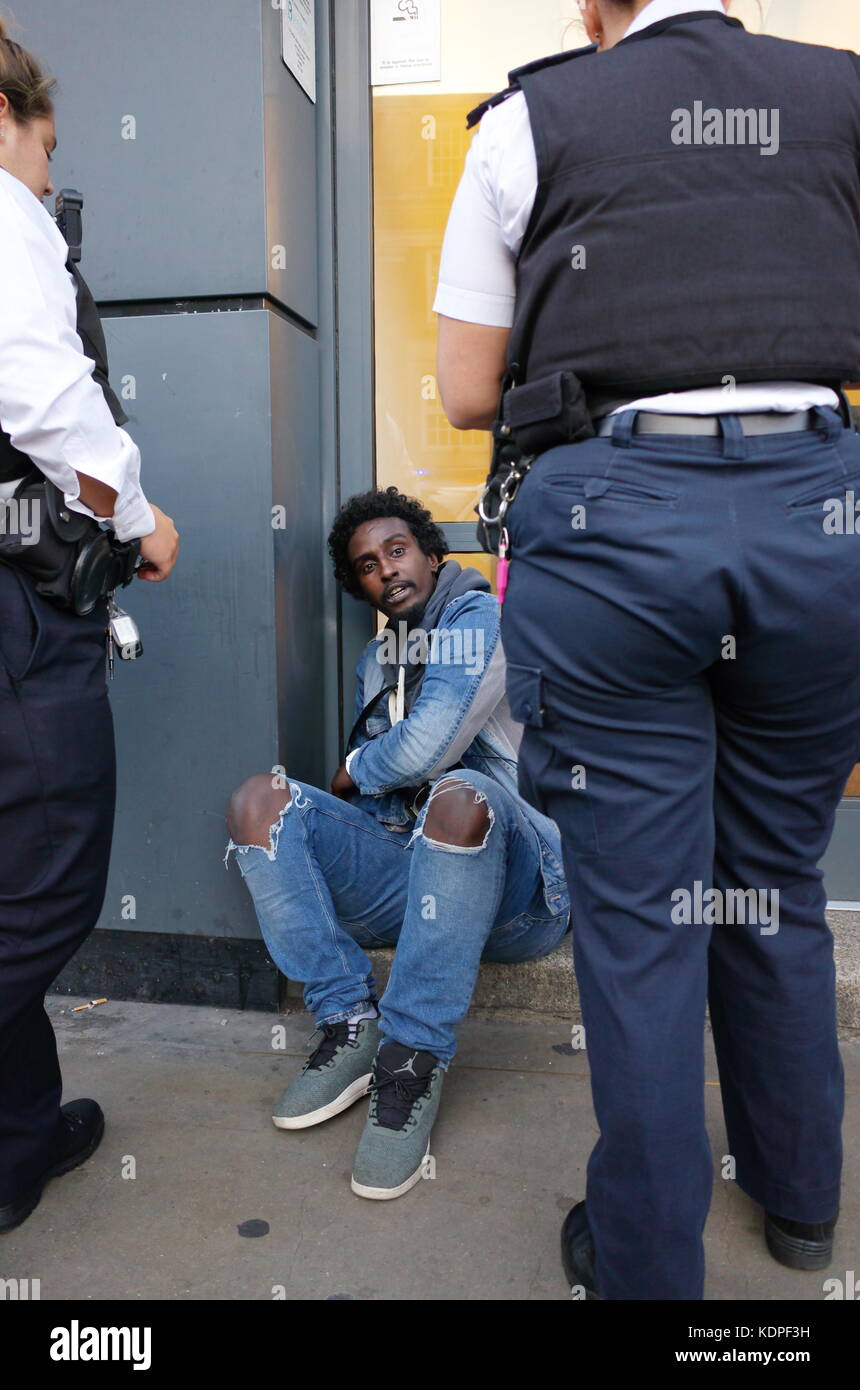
335,880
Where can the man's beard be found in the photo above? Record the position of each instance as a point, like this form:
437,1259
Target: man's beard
412,615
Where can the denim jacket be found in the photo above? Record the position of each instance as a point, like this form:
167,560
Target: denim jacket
461,718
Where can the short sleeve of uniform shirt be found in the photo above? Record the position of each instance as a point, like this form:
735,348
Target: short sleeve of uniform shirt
488,219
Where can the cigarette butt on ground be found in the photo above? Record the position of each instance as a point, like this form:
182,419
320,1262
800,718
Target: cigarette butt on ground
92,1004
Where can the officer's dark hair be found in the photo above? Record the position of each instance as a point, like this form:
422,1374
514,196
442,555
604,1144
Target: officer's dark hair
370,506
23,81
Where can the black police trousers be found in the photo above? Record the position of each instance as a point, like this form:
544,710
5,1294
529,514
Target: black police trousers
682,632
57,797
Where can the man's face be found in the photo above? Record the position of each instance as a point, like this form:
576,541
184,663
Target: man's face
394,573
25,149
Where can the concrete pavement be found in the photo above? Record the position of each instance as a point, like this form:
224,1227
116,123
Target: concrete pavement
224,1206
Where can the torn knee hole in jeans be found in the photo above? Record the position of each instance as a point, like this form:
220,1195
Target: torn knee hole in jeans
450,784
297,798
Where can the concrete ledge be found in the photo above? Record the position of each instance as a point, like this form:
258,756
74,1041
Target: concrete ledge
547,987
846,938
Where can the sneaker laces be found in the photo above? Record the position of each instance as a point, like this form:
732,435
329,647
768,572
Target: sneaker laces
395,1098
335,1035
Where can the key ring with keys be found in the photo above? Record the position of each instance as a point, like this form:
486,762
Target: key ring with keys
507,492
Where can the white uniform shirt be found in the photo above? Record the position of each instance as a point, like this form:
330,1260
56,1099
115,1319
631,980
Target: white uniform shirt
487,222
50,405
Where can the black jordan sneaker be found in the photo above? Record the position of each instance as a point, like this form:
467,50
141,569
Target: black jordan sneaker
392,1153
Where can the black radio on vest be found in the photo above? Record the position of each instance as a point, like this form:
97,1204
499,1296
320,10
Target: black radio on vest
628,281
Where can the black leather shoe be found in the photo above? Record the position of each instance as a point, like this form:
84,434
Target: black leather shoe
83,1127
798,1245
577,1252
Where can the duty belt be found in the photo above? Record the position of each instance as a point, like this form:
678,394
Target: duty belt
762,422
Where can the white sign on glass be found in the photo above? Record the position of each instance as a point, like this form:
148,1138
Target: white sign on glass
299,42
405,41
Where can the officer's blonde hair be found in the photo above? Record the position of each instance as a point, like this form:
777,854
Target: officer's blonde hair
627,7
629,4
23,81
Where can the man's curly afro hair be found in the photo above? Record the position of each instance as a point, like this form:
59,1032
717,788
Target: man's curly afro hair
369,506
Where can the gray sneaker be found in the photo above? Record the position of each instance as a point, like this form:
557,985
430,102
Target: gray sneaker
406,1090
336,1075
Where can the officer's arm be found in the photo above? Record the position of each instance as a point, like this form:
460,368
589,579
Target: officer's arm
470,366
99,497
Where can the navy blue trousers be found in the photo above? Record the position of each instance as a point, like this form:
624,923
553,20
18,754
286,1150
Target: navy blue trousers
682,627
57,790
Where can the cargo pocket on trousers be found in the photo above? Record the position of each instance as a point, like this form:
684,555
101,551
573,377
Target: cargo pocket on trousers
544,770
24,829
525,698
523,689
21,629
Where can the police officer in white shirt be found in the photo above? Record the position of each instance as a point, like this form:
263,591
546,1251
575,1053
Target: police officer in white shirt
654,247
57,768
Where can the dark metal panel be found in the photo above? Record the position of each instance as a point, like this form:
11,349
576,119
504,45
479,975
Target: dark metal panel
179,210
353,267
329,422
345,330
302,620
291,176
199,713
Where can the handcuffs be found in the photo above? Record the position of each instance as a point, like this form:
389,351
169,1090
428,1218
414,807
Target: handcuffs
506,491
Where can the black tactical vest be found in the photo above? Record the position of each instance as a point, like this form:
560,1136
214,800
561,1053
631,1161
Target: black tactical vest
697,215
14,464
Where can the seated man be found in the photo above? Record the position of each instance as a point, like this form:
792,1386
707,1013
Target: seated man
454,866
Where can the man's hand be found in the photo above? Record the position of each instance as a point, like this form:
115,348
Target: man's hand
342,784
159,549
